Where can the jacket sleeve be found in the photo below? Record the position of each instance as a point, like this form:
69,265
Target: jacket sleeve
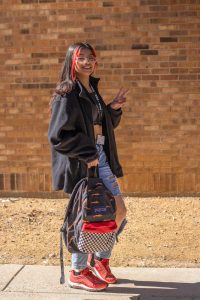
63,134
115,115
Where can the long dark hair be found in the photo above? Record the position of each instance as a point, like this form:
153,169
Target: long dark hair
67,75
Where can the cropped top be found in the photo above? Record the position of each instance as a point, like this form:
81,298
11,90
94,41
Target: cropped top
97,110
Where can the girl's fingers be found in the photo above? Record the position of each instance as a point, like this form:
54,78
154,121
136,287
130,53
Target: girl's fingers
118,94
119,99
93,163
125,92
118,105
122,100
122,92
121,96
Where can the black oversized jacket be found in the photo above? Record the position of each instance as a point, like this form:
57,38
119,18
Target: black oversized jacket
71,136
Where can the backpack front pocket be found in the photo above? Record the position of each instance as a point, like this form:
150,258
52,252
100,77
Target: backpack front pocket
97,236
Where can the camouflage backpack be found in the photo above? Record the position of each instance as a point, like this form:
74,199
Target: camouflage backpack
89,223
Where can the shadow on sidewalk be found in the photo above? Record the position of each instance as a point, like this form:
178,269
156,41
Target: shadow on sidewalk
156,288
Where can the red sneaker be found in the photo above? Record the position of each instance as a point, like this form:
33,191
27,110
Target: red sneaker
86,281
102,270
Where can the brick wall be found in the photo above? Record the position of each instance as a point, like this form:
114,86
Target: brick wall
149,46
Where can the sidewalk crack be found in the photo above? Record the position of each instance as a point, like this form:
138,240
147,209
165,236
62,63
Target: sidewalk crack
7,284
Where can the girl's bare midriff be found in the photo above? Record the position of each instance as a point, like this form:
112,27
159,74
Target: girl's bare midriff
97,130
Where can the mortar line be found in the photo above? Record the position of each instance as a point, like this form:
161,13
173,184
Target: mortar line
12,278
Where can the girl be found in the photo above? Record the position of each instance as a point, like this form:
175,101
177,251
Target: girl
81,135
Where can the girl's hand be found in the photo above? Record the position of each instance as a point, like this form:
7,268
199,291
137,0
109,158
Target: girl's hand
120,99
93,163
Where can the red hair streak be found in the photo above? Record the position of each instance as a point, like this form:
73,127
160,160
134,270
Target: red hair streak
75,55
93,53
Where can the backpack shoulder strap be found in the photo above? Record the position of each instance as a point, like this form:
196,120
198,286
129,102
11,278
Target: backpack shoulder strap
67,211
62,278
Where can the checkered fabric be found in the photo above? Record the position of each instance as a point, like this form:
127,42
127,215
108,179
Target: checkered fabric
95,242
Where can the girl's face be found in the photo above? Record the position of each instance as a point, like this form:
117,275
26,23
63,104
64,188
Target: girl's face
85,63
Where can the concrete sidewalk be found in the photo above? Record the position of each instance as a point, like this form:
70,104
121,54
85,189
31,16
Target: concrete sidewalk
34,282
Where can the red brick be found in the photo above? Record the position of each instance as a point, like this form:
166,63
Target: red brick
150,47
